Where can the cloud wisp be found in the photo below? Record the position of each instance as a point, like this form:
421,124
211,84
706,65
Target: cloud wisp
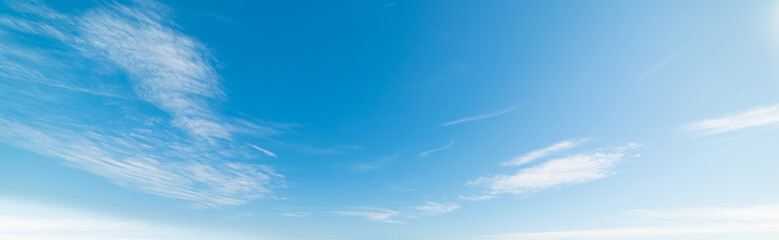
266,152
540,153
428,209
480,117
166,140
296,214
373,165
371,214
573,169
425,153
657,67
754,222
751,118
434,208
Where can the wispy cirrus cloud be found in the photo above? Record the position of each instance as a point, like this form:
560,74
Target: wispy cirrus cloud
573,169
144,163
371,214
754,222
170,70
480,117
373,165
657,66
425,153
434,208
164,137
266,152
428,209
751,118
296,214
540,153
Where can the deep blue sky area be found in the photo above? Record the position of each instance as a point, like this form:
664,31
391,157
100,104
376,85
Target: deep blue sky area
462,120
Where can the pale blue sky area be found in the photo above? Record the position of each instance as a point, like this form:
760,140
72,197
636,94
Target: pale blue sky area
351,120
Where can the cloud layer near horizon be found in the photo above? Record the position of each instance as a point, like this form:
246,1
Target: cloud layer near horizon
752,222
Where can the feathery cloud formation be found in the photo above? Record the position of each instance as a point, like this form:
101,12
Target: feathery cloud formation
750,118
540,153
186,151
428,209
371,214
435,209
573,169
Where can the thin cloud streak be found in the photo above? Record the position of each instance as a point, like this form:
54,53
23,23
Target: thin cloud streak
429,209
751,118
296,214
435,209
372,214
657,67
425,153
540,153
373,165
266,152
468,119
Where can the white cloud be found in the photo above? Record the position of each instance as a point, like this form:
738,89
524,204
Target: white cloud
755,222
428,209
751,118
474,118
171,70
434,208
372,214
131,161
296,214
482,197
540,153
425,153
266,152
578,168
186,151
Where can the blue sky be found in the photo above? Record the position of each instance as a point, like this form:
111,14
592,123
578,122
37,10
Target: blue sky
460,120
